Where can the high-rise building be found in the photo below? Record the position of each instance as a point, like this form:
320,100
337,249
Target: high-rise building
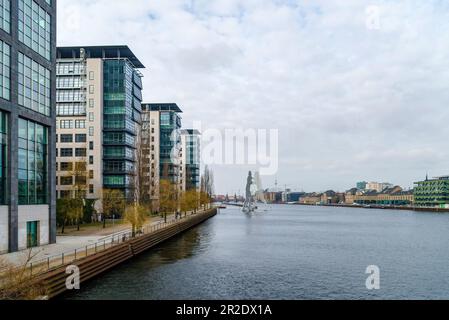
27,117
99,95
161,143
190,159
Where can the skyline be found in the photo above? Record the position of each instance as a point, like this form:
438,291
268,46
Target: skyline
352,103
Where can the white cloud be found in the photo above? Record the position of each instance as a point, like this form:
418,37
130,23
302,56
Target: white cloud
336,90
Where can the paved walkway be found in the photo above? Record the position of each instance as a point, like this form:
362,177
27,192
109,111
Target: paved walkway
66,244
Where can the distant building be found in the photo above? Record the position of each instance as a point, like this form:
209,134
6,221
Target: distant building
432,192
377,186
292,196
311,198
273,196
393,196
361,185
351,194
329,197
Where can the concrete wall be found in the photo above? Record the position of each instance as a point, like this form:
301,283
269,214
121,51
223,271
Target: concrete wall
4,211
29,214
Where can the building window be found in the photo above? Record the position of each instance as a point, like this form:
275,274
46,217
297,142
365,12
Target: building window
70,109
80,138
66,181
66,152
91,89
80,124
91,145
5,15
3,156
35,27
91,160
91,131
91,103
34,85
66,166
65,194
5,74
80,152
66,96
91,188
91,75
66,138
91,174
66,124
91,116
33,144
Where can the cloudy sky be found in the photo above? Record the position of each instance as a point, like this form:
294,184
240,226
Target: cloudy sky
358,89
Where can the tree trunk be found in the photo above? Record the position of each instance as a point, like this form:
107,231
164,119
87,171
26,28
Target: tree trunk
63,227
104,222
165,217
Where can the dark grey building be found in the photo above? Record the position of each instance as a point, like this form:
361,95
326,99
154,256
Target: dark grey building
27,123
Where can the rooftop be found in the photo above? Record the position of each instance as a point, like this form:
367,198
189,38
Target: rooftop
102,52
161,107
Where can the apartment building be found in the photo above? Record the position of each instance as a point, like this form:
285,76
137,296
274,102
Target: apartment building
190,164
27,117
161,144
99,95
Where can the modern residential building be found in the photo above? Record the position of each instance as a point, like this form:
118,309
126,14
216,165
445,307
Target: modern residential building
161,144
432,192
190,160
27,117
99,96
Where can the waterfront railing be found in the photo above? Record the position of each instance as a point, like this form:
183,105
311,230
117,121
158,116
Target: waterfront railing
53,262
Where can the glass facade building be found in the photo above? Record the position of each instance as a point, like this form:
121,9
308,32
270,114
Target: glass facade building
99,94
191,149
34,85
170,141
35,27
27,123
122,118
33,153
432,193
5,15
5,70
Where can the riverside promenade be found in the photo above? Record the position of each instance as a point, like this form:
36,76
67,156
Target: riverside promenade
67,244
99,257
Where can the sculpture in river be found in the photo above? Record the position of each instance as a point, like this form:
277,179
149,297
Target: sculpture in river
249,205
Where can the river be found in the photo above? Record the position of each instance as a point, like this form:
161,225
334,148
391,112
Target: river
290,252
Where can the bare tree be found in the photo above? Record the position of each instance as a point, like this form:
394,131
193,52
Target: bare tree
16,282
113,203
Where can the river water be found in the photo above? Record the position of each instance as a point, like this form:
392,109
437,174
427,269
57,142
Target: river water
290,252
